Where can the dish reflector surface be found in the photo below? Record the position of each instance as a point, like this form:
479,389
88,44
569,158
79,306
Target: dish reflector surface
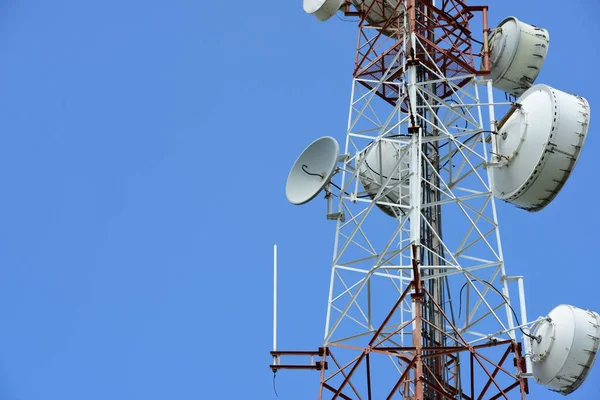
322,9
386,159
568,347
540,143
517,53
380,12
312,171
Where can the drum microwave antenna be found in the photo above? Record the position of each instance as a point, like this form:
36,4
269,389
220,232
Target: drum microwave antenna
421,304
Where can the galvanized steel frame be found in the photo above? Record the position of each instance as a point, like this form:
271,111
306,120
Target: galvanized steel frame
360,255
377,278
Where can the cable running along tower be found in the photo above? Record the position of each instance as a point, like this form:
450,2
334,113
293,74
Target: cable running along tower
421,305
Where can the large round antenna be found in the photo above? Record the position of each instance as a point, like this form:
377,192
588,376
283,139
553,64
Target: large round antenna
312,171
379,167
566,347
539,146
517,53
322,9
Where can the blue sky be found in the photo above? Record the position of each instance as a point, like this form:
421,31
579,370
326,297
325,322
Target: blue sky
145,147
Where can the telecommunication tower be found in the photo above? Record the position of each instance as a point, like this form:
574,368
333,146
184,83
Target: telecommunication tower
421,304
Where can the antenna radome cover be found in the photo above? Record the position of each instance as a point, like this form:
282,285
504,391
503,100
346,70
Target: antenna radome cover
539,146
386,159
322,9
517,53
567,349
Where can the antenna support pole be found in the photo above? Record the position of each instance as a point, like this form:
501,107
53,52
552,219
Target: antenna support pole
274,300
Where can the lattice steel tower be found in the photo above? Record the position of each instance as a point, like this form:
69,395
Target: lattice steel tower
420,299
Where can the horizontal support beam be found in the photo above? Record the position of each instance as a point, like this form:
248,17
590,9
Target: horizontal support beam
317,367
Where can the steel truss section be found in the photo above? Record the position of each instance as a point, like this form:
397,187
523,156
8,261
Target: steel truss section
441,174
415,378
443,30
471,250
419,300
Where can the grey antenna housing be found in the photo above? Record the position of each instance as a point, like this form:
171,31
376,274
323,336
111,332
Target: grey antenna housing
540,144
518,51
567,346
322,9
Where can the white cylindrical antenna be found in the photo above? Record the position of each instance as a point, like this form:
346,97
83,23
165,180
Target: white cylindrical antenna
274,300
541,142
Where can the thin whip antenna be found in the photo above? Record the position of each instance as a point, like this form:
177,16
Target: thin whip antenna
274,301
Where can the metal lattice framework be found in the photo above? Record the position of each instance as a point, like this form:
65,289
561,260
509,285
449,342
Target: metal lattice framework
419,309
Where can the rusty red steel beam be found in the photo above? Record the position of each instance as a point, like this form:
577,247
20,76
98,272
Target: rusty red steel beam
521,367
378,35
450,19
317,367
340,368
401,379
437,383
473,356
445,349
496,370
347,12
440,390
375,336
472,371
332,389
457,60
417,298
386,338
508,389
380,58
460,53
372,41
441,311
458,30
498,365
419,352
486,31
298,352
450,30
488,374
322,374
369,377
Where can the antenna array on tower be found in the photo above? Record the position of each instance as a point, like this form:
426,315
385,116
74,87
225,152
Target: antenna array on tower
420,304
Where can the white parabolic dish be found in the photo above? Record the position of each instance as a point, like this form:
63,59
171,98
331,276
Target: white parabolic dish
517,53
322,9
540,143
312,171
568,347
380,163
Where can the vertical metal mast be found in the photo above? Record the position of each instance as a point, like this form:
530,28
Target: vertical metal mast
417,58
431,227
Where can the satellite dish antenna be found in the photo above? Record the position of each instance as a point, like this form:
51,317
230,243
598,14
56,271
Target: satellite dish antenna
312,171
539,145
567,345
517,53
322,9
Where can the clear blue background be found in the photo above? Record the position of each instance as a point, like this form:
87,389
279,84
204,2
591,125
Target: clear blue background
143,155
